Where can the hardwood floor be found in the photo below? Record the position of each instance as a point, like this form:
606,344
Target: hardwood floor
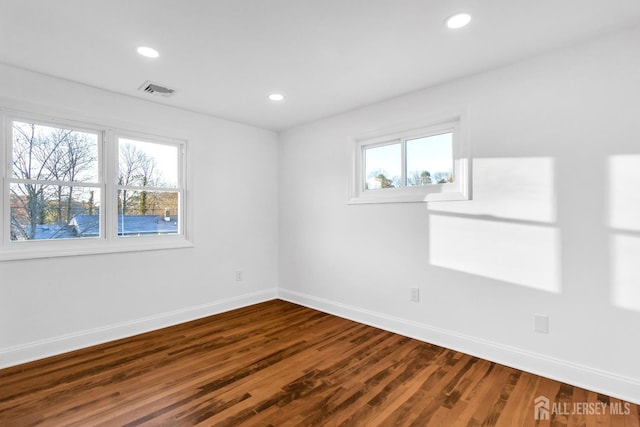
279,364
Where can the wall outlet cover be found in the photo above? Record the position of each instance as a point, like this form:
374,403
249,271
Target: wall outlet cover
415,294
541,323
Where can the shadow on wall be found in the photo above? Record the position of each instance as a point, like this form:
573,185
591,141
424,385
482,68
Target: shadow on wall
624,229
509,232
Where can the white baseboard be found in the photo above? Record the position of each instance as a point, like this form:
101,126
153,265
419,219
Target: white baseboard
16,355
608,383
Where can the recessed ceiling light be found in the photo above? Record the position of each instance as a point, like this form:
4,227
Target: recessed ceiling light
149,52
276,97
458,20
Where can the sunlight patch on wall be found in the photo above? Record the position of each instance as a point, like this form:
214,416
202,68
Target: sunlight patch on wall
624,192
516,187
624,219
522,254
625,253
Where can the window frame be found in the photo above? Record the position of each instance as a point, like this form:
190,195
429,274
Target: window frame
180,185
460,189
9,119
108,240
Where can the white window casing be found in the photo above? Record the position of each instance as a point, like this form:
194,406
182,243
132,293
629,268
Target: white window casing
107,239
401,191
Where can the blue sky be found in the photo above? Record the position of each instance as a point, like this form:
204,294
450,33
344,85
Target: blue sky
433,154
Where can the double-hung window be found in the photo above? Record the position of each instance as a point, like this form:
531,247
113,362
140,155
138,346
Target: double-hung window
73,189
416,164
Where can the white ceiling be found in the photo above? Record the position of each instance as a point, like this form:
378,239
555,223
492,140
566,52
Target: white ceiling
326,56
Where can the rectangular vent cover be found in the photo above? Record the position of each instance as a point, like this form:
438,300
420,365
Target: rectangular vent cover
156,89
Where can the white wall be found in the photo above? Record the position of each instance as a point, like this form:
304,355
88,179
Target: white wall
53,305
553,227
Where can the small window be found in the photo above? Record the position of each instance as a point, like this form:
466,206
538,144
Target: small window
422,164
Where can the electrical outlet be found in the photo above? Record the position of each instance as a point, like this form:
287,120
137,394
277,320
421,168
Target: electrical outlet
541,323
239,276
415,294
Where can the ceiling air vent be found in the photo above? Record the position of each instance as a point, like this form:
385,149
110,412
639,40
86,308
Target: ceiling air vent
156,89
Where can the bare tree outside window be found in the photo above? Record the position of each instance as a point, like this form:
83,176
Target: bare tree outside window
136,169
58,186
147,179
49,165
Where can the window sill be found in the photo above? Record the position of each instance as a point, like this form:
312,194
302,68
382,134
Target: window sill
59,249
434,197
432,193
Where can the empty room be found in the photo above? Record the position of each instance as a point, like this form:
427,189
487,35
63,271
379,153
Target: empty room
320,213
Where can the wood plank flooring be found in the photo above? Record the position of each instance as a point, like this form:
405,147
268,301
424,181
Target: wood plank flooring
279,364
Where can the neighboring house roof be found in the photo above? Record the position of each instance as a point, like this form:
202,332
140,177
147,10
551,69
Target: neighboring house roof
53,231
89,226
86,225
146,224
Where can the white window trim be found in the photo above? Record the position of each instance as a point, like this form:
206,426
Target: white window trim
460,189
108,241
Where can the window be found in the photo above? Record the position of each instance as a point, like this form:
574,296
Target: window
149,188
55,176
74,189
425,163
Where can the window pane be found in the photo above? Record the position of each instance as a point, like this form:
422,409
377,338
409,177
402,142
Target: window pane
145,164
147,212
430,160
45,212
50,153
382,166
